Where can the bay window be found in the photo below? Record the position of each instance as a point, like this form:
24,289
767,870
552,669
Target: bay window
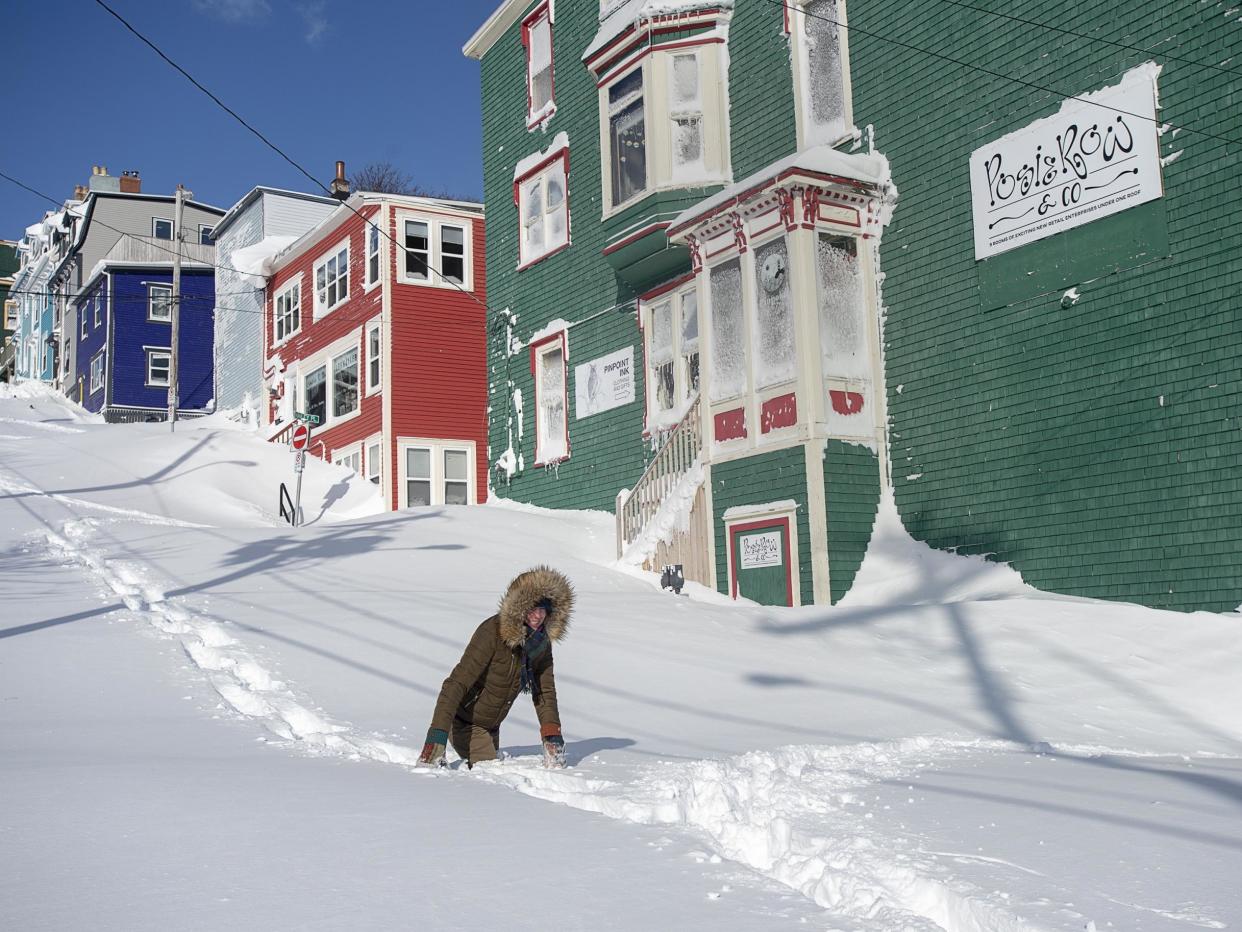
664,123
728,331
776,359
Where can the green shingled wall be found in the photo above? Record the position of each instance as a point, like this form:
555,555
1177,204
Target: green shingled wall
1095,447
852,497
757,480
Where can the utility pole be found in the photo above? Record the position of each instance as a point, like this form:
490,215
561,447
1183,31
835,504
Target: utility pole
176,308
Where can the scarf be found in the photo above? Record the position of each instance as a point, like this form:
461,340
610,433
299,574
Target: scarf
532,649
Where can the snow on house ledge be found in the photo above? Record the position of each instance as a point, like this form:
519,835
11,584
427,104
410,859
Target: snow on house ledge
633,12
862,169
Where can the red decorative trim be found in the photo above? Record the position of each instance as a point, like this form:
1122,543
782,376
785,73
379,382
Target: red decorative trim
544,9
810,205
785,197
563,155
739,231
664,289
633,35
845,402
696,255
750,193
781,524
730,425
778,412
636,235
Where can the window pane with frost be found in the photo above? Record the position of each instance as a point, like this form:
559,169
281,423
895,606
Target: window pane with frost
841,309
824,106
689,320
728,349
685,82
687,142
540,64
552,404
627,137
661,332
776,360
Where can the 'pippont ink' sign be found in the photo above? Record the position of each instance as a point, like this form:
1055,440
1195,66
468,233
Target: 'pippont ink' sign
1083,163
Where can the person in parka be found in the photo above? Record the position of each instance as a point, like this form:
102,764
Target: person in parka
510,653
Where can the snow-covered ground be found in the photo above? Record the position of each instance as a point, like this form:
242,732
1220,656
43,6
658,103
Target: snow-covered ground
209,720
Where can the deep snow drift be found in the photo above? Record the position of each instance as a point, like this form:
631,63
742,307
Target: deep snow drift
210,719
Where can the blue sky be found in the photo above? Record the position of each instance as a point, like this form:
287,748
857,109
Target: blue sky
362,81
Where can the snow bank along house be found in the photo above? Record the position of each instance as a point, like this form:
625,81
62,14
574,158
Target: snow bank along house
375,325
693,205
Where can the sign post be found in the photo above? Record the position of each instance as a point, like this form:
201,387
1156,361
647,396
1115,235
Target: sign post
299,440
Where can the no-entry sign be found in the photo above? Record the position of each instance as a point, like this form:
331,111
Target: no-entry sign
300,437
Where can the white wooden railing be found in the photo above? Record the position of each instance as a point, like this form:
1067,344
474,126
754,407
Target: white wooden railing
674,459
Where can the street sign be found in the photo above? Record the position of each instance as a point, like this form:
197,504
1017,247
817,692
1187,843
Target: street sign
308,418
299,463
300,438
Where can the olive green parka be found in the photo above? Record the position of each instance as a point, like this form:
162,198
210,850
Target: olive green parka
488,678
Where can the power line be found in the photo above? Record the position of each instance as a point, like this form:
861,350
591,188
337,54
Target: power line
275,148
996,74
1098,39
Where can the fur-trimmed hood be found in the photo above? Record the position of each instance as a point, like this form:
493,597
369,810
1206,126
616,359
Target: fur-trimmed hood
524,593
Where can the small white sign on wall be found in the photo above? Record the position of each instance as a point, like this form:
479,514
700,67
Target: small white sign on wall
1099,155
759,550
604,383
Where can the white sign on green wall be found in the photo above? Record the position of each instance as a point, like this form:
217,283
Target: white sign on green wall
1099,155
604,383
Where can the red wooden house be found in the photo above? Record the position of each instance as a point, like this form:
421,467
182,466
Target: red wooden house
375,324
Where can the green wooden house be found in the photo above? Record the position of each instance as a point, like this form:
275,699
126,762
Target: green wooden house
693,207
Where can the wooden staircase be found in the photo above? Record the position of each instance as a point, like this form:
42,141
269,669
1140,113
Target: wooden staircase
664,518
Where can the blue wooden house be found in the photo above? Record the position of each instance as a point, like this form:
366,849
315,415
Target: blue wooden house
123,335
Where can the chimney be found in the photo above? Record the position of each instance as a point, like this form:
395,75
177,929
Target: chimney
340,184
80,191
102,181
131,182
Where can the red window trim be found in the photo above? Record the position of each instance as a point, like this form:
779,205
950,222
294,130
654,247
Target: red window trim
562,154
563,337
735,529
658,25
544,9
615,73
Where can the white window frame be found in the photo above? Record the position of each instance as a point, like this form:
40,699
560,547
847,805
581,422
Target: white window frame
373,466
435,278
374,328
327,358
99,308
295,283
557,165
322,307
152,352
675,298
373,238
551,343
659,115
204,234
342,456
155,223
84,310
438,446
542,15
796,21
98,364
152,288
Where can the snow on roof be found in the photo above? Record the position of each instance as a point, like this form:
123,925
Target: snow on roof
870,169
256,258
632,12
523,167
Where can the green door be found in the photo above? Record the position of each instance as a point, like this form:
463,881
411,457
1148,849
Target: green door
761,568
